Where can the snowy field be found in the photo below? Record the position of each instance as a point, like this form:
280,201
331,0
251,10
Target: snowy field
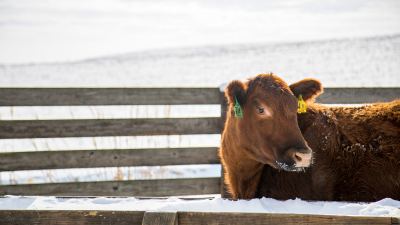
384,207
357,62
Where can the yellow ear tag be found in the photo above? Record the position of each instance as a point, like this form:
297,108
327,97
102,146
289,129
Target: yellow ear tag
301,105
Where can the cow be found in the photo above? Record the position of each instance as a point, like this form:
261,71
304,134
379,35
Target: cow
332,153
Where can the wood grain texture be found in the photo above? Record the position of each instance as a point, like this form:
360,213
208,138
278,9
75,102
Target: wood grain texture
220,218
70,217
107,96
160,218
108,127
13,161
79,217
162,187
358,95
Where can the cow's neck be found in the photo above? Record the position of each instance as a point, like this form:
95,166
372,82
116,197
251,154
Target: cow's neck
245,175
246,166
244,172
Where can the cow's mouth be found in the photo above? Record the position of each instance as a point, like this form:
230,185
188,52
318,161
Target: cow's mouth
289,168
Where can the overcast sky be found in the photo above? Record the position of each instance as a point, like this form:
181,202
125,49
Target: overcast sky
47,31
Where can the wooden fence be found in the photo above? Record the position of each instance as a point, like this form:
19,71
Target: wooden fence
110,127
18,129
78,217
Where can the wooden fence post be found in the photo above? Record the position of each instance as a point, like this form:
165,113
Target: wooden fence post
160,218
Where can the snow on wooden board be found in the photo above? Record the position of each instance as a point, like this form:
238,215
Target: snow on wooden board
385,207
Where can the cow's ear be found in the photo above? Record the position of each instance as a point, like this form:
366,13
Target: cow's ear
308,88
236,89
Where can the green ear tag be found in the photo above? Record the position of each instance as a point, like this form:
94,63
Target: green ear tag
301,105
237,109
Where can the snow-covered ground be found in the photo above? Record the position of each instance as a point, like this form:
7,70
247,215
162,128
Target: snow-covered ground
359,62
384,207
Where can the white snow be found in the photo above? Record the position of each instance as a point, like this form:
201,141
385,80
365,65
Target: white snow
108,112
110,173
361,62
384,207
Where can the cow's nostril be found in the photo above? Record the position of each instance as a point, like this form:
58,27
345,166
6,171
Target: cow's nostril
298,158
302,159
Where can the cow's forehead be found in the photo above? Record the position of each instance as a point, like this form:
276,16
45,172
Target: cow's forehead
270,84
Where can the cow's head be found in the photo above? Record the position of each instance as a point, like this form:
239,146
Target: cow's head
268,131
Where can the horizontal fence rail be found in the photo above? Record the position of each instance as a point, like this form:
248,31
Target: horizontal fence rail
108,96
14,217
166,96
358,95
13,161
108,127
199,218
159,187
70,217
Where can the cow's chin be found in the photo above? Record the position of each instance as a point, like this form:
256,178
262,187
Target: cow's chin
289,168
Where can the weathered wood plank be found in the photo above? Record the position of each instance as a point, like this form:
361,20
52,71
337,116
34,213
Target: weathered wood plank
160,218
165,96
220,218
358,95
12,161
107,96
58,217
108,127
65,217
164,187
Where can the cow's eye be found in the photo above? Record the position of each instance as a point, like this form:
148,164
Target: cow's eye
260,110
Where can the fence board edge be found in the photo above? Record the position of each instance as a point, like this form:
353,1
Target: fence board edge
155,187
37,160
108,127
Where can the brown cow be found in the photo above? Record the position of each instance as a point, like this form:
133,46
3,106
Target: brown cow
267,152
